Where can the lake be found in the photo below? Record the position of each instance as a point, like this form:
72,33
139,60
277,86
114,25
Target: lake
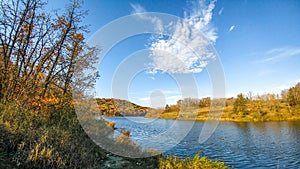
239,145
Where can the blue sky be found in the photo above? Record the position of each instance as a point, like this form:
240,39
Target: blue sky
257,41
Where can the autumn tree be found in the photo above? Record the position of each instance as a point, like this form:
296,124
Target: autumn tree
167,108
205,102
239,104
293,95
41,52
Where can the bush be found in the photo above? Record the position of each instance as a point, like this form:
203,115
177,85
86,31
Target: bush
197,162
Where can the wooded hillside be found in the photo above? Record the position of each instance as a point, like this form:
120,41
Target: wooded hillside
118,107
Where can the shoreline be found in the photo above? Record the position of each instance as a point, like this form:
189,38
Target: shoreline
228,120
214,119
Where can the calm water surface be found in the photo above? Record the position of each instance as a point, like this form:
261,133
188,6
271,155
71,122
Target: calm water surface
239,145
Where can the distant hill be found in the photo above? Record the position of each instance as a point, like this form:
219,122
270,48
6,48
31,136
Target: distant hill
118,107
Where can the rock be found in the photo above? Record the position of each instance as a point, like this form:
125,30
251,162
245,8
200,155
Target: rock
115,162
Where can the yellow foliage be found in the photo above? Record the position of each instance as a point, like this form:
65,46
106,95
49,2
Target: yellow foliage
44,137
40,75
78,36
45,153
172,162
60,162
110,124
21,145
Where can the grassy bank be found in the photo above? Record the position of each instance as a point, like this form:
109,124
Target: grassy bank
30,139
227,114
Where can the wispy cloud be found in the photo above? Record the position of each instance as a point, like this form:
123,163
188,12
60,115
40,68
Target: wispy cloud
231,28
221,11
277,54
137,8
187,50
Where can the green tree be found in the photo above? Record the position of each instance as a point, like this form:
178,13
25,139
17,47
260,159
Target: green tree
239,105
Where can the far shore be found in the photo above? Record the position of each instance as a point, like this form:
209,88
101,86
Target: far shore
216,119
230,120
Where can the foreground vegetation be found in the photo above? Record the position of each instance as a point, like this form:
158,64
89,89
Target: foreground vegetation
42,57
243,108
31,140
196,162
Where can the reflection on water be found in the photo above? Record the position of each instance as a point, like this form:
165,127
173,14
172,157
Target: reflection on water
240,145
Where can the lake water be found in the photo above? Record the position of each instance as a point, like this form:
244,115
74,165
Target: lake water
239,145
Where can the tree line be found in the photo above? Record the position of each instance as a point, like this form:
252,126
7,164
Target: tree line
245,107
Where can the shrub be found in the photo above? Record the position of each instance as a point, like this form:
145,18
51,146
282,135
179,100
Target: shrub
197,162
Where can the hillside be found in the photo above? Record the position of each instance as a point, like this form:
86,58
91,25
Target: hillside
118,107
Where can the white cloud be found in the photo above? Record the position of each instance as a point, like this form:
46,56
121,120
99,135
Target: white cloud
137,8
221,11
187,50
277,54
231,28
